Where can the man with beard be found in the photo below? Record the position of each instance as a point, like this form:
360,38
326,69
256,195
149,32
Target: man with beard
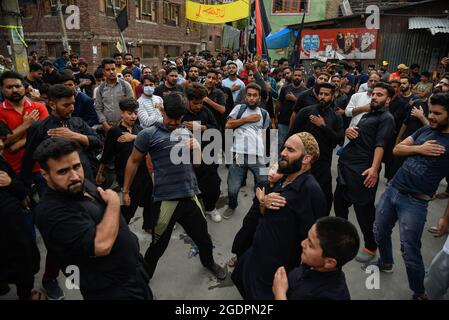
131,67
119,66
232,82
341,100
248,122
50,76
287,99
200,118
81,225
175,185
406,199
359,166
326,126
288,212
169,84
316,73
308,97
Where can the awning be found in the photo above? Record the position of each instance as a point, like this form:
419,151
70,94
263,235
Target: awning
280,39
435,25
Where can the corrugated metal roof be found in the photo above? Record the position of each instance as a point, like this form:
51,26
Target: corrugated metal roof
435,25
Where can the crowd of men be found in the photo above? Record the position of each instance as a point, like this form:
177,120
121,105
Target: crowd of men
67,136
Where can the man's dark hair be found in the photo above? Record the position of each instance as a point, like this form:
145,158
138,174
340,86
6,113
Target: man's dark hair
36,67
372,66
426,74
196,91
4,129
73,56
107,61
43,90
54,148
336,76
413,66
126,71
394,81
128,54
326,86
59,91
117,54
324,73
170,69
316,66
138,58
33,52
298,69
346,67
212,71
441,99
406,77
149,78
338,239
276,71
47,63
289,68
63,52
10,75
83,63
254,86
281,61
67,77
128,104
175,105
383,85
99,73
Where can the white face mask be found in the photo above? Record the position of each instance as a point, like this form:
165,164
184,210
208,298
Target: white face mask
148,90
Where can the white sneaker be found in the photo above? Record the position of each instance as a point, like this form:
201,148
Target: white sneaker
214,215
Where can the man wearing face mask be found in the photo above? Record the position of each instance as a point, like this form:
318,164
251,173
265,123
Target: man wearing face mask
293,205
150,105
360,163
327,128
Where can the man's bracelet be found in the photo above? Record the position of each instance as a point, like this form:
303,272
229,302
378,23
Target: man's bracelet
125,192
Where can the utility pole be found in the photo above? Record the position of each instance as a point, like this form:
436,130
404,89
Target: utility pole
13,25
65,41
120,32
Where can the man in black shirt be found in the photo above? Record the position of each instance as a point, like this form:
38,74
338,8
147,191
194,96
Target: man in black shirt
327,128
169,84
287,98
360,164
73,65
215,99
34,77
50,76
82,226
294,205
308,97
85,80
200,118
118,147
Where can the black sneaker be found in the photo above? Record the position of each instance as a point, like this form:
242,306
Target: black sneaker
421,296
219,272
4,289
384,267
53,290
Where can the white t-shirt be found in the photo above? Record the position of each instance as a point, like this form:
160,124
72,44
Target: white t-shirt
229,83
248,138
357,100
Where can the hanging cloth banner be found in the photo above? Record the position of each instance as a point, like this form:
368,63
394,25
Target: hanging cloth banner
217,13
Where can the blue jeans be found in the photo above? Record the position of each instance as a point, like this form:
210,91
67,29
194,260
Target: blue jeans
282,135
411,214
237,172
437,278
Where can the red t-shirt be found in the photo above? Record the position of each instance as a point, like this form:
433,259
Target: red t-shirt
13,119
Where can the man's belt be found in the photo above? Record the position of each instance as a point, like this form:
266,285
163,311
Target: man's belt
419,196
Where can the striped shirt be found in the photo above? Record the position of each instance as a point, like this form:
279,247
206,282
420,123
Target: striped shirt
148,113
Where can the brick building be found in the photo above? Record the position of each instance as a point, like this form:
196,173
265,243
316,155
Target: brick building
156,28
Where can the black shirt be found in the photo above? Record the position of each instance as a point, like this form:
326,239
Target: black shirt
86,89
163,90
327,136
398,108
217,96
304,283
305,99
36,84
413,123
68,226
52,78
75,69
286,106
277,241
229,100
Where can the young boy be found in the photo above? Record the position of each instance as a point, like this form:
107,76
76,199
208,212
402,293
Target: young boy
331,243
118,147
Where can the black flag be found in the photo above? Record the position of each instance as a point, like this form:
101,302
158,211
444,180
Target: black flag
122,19
296,53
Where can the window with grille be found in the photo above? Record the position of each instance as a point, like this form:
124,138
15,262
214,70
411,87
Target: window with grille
146,10
171,14
54,49
289,6
149,51
50,6
105,6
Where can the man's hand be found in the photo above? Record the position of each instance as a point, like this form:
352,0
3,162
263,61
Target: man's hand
109,196
432,149
340,112
99,178
417,112
5,179
62,132
30,118
445,61
260,194
253,118
235,87
371,177
106,126
126,137
290,97
26,202
274,201
193,144
317,120
441,230
251,65
126,199
352,133
280,284
269,87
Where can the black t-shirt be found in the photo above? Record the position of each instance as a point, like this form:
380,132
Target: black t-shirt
163,90
217,96
86,89
52,78
286,106
412,123
36,84
398,108
68,226
305,99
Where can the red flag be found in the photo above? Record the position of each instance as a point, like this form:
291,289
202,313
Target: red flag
259,30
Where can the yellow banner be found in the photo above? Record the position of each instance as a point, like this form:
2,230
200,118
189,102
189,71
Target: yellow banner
217,13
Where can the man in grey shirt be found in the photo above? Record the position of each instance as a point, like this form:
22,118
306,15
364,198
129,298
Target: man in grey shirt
109,94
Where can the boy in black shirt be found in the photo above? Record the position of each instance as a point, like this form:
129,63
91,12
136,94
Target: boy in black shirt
331,243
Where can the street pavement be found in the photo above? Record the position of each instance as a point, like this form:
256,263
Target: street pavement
179,276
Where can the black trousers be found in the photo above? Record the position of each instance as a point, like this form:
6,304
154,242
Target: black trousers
190,217
365,215
209,183
321,171
244,237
